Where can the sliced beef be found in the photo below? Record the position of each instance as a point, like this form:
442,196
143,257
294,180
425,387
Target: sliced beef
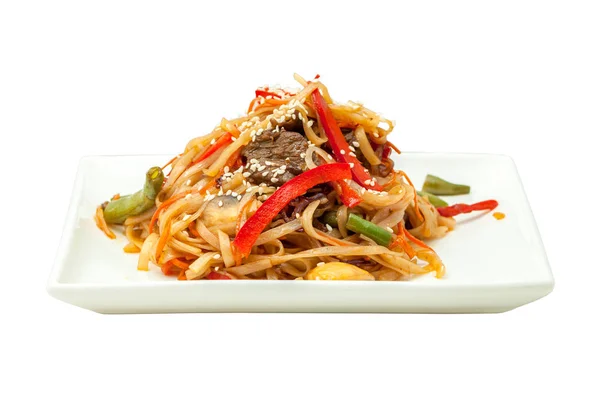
274,158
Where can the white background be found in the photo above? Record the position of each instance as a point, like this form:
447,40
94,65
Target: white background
119,77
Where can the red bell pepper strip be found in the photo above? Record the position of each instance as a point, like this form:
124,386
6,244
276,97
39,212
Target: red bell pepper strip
265,93
338,143
451,211
348,196
251,230
222,141
216,276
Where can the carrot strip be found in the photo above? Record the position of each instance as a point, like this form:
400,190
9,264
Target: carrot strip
164,205
162,242
193,230
101,223
393,146
180,264
223,140
415,240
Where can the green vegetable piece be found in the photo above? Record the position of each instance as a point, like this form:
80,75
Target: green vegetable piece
433,199
330,218
369,229
117,211
438,186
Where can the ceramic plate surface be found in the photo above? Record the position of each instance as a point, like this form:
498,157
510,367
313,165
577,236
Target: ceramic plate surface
492,265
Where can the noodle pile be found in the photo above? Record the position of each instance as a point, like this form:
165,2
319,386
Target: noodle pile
189,232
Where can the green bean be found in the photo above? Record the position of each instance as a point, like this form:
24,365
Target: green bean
330,218
369,229
438,186
433,199
117,211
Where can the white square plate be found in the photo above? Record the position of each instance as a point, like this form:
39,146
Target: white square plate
492,265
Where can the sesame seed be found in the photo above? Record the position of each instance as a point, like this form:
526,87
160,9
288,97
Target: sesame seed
249,189
246,174
186,217
262,168
355,144
274,180
253,161
217,256
351,148
376,134
233,138
220,203
302,155
329,156
188,196
261,190
239,197
321,263
351,165
329,228
389,229
213,141
189,182
310,123
221,192
265,173
226,169
373,182
228,192
342,152
352,154
254,167
297,215
234,194
283,167
269,163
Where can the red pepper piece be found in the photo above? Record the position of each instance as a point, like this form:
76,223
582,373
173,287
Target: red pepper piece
348,196
222,141
451,211
338,143
265,93
216,276
244,240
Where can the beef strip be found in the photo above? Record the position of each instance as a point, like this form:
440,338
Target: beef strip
273,150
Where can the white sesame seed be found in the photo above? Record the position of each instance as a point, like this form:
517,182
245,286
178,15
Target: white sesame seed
329,228
213,141
221,192
233,138
355,144
188,196
302,155
274,180
189,182
310,123
262,168
254,167
220,203
269,163
351,148
389,229
217,256
321,263
329,156
297,215
283,167
239,197
261,190
351,165
228,192
352,154
373,182
376,134
342,152
246,174
249,189
186,217
265,173
253,161
234,194
226,169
